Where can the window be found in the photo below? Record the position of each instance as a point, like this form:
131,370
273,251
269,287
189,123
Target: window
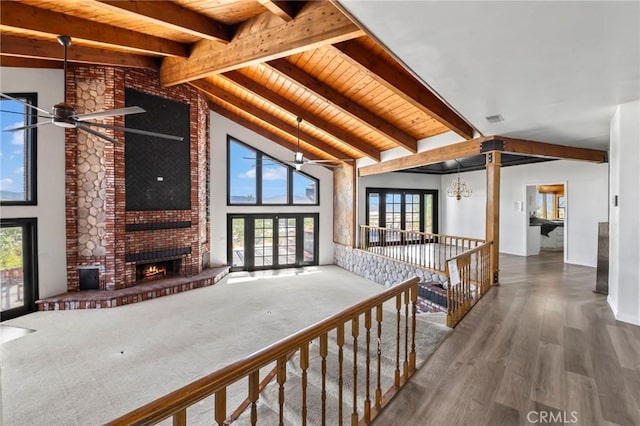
253,178
406,209
18,267
18,151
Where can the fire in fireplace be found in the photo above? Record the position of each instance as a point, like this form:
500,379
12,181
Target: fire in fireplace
158,270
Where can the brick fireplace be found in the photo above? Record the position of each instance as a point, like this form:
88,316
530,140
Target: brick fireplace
104,232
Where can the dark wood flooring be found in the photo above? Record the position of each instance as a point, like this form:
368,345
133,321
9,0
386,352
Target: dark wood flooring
541,348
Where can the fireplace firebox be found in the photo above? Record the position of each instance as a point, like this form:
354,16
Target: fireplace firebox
158,270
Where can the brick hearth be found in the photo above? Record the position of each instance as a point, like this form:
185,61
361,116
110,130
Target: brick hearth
97,299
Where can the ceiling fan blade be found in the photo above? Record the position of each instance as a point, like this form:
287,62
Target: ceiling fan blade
88,129
30,126
140,132
48,117
110,113
2,95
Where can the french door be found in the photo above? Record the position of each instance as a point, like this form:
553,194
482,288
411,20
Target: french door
18,271
272,241
401,209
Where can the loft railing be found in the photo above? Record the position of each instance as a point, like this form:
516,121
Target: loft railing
469,278
422,249
363,318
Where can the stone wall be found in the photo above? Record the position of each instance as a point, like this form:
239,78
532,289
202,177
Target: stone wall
344,206
381,270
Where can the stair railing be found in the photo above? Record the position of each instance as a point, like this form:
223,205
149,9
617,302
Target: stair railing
347,322
469,278
425,250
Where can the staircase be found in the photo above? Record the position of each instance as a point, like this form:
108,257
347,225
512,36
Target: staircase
341,370
339,389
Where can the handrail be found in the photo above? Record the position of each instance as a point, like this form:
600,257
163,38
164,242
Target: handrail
176,402
421,249
474,278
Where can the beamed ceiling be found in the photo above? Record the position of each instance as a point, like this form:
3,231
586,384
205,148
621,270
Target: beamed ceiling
260,63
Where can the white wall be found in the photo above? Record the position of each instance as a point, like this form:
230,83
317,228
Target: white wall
587,193
465,217
220,128
624,222
50,210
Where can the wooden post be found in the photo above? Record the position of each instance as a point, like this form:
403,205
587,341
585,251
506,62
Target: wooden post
493,209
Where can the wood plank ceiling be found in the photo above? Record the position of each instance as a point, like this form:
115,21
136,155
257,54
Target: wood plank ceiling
261,63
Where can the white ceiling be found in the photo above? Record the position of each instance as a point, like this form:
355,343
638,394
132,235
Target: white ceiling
554,70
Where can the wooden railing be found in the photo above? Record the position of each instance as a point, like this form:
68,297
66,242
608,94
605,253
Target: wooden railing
363,318
422,249
469,278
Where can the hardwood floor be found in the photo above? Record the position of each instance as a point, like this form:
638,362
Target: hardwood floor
541,348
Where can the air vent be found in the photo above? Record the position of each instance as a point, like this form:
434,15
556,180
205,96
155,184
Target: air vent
494,118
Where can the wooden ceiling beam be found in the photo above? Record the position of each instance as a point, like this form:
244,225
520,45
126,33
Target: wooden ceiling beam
548,150
16,15
425,158
172,16
260,130
405,86
318,24
485,145
284,9
17,61
213,90
336,132
346,105
41,49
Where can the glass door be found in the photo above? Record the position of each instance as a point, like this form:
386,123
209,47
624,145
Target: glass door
271,241
17,267
287,241
263,240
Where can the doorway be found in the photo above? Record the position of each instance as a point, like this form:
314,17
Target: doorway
18,270
272,241
546,218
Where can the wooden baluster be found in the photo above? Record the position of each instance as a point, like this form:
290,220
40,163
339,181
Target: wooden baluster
180,418
379,354
367,399
281,368
254,393
324,343
340,341
355,332
412,355
220,406
304,365
405,365
478,279
396,381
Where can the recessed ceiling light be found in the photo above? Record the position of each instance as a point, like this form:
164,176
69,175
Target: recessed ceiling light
494,118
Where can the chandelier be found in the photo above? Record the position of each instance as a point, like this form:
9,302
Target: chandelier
458,188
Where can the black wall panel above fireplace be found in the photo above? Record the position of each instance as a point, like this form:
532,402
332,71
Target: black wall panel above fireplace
157,171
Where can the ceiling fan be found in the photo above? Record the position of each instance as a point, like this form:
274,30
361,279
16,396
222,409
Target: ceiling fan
65,115
299,160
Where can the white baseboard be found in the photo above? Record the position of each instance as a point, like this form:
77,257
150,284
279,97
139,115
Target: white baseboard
631,319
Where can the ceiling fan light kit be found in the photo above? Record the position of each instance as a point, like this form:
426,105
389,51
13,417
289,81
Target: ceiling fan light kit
65,115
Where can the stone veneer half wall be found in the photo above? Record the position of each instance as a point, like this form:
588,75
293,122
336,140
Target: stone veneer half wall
97,219
379,269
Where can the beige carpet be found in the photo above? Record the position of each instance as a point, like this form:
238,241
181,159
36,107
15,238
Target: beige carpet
87,367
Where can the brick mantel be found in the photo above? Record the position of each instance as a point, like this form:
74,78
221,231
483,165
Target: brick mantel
96,215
